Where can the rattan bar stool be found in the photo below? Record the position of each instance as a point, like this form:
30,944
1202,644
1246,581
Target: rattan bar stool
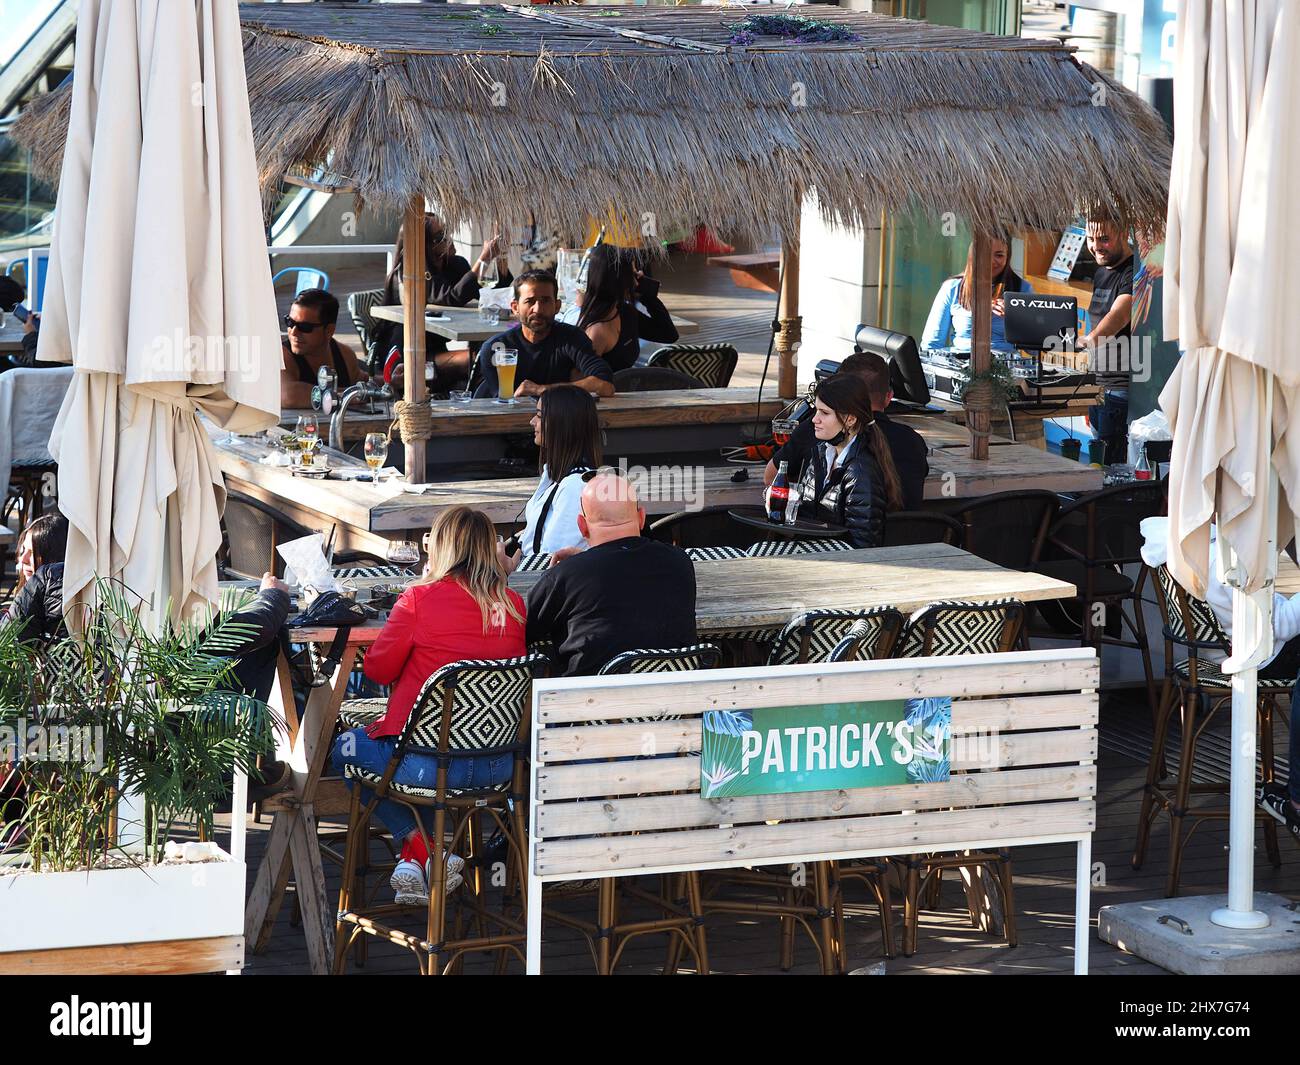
1197,689
678,901
472,707
957,628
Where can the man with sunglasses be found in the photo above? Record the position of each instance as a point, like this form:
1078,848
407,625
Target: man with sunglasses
310,345
625,592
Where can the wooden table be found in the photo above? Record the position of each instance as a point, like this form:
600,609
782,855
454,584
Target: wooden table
11,336
463,323
760,271
369,515
732,596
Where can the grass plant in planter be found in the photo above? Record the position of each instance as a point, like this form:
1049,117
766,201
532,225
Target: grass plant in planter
120,707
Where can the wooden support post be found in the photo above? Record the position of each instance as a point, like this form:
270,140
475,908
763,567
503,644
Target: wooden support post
981,357
791,330
413,297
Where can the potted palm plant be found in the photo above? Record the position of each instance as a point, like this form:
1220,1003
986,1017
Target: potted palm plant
121,732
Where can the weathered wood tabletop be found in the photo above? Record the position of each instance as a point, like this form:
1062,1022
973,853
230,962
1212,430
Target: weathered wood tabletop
750,593
463,323
370,510
631,410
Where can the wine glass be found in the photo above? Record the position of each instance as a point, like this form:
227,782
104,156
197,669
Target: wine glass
376,451
403,553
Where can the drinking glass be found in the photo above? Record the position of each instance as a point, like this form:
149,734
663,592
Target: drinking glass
490,275
403,553
457,396
792,505
505,360
376,451
308,434
782,429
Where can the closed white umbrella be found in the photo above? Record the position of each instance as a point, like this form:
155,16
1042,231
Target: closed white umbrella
1233,399
159,294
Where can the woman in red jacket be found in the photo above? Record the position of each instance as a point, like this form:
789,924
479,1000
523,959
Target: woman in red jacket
461,608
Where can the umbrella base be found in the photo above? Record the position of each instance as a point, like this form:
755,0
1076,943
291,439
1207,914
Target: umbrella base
1178,935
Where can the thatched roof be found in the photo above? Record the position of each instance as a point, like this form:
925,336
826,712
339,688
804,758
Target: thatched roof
493,111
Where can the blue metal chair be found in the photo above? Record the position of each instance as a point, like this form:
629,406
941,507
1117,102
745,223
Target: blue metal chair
306,278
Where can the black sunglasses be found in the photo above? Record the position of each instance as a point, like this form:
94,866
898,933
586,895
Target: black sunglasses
302,327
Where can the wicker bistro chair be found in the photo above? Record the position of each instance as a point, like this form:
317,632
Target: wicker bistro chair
905,527
713,554
653,379
1089,544
1008,528
679,900
817,908
711,364
706,527
360,305
477,706
1197,689
777,548
956,628
535,563
818,634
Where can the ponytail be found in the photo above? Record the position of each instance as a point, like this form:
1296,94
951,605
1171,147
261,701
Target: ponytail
875,438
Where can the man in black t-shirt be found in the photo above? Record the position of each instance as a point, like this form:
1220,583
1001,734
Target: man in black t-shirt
624,593
1110,336
550,352
906,445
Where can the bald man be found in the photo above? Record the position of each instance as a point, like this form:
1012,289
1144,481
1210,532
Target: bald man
623,593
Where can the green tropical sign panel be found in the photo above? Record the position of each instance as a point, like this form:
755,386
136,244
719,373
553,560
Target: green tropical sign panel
824,747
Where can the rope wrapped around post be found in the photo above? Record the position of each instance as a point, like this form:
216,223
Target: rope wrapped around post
413,421
789,333
979,397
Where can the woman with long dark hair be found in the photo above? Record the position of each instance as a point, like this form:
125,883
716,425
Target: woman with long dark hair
449,281
567,430
38,605
460,608
951,319
851,479
610,316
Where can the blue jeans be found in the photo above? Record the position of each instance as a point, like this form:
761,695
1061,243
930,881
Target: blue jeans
1109,421
468,771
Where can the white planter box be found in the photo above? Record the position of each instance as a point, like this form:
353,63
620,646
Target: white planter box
51,911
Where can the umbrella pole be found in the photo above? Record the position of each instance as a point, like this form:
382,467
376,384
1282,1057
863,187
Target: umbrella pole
413,303
1252,642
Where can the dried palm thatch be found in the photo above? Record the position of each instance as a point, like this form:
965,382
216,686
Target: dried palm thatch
652,115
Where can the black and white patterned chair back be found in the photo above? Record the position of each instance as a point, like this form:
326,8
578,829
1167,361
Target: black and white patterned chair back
960,628
379,570
488,702
827,629
775,548
534,563
713,554
661,660
712,364
1205,626
360,305
851,647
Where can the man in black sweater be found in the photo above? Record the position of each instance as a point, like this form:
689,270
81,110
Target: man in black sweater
623,593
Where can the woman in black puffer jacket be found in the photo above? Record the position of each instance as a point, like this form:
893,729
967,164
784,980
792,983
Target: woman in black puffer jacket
851,479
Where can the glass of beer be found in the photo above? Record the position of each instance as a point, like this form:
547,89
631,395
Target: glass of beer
505,360
308,434
376,451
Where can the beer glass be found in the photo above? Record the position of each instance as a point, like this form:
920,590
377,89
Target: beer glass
505,360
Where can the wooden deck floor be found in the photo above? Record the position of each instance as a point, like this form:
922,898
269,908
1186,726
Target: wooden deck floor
1044,902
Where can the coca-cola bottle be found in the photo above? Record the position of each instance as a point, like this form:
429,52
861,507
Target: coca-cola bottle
1143,470
779,495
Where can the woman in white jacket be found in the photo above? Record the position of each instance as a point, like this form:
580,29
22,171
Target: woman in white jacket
567,430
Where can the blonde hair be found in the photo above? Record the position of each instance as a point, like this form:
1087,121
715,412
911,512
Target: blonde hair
462,546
